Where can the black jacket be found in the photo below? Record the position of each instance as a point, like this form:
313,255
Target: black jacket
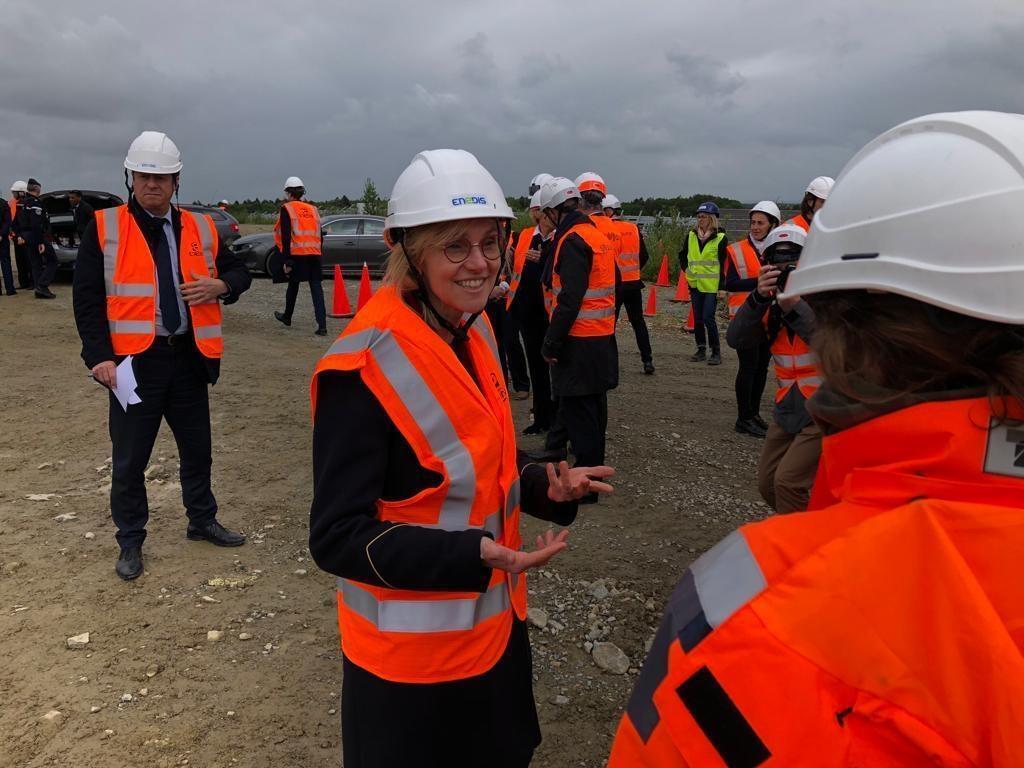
32,222
83,214
89,291
5,220
586,365
359,456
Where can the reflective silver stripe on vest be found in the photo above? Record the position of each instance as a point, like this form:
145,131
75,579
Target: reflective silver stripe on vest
808,381
593,293
208,331
512,500
428,414
739,260
130,326
794,361
595,314
130,289
484,330
111,242
727,576
627,259
457,615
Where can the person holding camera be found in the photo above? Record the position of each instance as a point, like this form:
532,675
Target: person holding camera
789,458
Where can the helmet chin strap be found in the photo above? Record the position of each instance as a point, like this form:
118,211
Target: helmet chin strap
459,333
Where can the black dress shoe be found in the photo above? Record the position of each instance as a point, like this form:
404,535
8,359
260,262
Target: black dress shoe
648,367
283,318
215,533
129,563
699,356
320,331
12,293
760,422
749,427
546,456
535,429
45,293
715,359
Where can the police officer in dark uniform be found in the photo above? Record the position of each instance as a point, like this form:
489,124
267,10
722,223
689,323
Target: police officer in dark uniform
33,226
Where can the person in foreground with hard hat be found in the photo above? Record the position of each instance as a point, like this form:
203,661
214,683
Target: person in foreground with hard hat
789,457
631,260
814,198
298,238
418,488
525,304
580,343
742,268
149,281
702,259
18,190
885,629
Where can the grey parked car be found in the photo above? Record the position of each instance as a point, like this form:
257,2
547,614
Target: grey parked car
348,240
62,223
226,224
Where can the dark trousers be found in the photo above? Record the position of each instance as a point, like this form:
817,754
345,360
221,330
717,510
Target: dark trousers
751,378
518,370
5,266
316,291
44,265
24,265
495,310
633,300
533,323
172,386
585,420
705,326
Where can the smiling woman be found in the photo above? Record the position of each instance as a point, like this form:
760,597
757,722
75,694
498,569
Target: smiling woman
418,487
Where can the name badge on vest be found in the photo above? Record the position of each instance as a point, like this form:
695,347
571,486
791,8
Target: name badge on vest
1005,453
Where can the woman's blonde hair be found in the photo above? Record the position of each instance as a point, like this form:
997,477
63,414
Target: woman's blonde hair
415,242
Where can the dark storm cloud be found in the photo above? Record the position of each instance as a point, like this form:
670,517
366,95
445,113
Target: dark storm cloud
659,99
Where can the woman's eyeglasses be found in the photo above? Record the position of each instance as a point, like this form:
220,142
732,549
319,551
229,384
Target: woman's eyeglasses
459,251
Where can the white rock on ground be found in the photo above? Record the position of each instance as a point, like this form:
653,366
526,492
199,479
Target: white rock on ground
78,641
610,658
214,635
537,616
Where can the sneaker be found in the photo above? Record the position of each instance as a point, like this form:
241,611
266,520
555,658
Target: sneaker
715,359
699,356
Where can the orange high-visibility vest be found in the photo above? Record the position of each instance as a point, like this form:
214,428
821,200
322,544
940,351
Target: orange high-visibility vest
525,237
597,312
628,259
745,259
305,225
887,630
130,275
794,364
801,222
463,430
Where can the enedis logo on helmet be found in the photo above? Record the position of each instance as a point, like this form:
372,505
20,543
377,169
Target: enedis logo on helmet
469,200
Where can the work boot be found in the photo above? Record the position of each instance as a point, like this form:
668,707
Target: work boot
45,293
648,367
283,318
700,355
129,563
215,533
760,422
716,358
320,331
749,427
535,429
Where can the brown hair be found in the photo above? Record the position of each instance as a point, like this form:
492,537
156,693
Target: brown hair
904,347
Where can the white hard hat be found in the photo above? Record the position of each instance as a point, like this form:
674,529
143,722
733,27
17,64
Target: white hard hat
611,201
293,182
535,199
821,186
787,233
223,202
540,180
768,208
19,186
588,180
930,210
153,152
445,185
557,191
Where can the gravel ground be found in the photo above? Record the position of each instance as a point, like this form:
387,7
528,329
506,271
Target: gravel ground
230,657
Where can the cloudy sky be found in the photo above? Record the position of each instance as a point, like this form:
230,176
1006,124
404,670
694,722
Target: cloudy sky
742,98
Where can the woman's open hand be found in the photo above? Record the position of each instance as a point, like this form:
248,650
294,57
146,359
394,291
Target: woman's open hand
575,483
501,557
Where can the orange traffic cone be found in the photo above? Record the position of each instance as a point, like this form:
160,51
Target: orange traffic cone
652,303
365,291
663,273
339,303
689,321
682,289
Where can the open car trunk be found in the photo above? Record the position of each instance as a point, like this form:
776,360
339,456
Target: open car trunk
62,223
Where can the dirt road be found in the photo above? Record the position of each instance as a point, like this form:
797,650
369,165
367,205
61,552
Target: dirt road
150,688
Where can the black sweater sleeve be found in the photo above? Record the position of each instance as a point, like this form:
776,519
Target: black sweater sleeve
574,263
232,270
644,255
286,233
534,501
89,297
359,456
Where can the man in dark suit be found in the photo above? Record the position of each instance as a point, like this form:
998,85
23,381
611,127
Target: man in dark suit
153,289
81,211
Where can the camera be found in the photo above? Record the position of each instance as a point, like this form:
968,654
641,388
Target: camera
784,256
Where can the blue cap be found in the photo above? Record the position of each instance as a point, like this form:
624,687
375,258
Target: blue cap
708,208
